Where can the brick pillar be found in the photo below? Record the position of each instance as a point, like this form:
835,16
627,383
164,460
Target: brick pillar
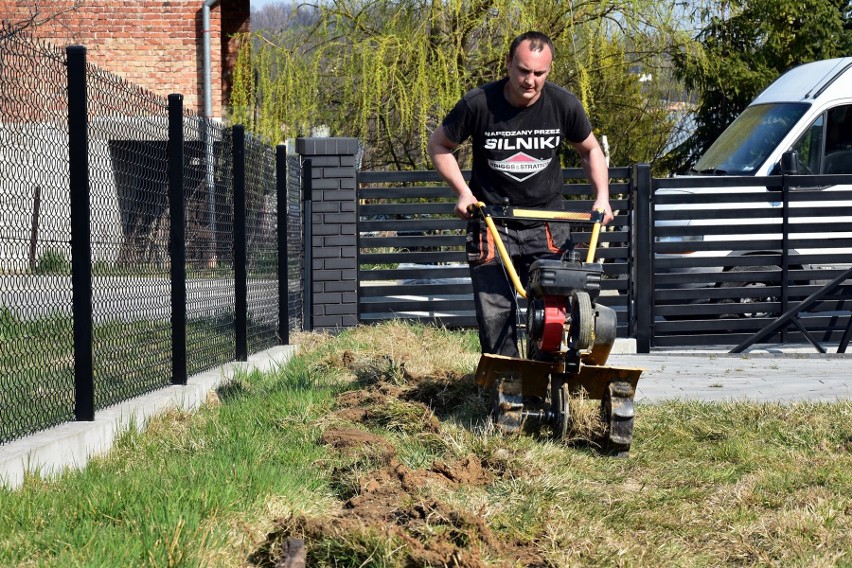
333,240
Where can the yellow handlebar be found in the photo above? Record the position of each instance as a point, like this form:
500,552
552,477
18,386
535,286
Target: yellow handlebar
504,254
593,241
595,217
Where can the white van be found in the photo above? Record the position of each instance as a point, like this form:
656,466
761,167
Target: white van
803,120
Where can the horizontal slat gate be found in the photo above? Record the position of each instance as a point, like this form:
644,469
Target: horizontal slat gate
720,278
411,248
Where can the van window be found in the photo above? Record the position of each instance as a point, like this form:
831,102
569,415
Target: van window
809,147
838,142
746,144
835,157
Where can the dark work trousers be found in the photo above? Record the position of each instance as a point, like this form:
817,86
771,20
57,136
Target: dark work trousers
493,291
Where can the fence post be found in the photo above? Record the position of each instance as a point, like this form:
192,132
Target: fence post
34,226
81,247
331,254
177,238
283,256
641,284
308,236
785,250
240,269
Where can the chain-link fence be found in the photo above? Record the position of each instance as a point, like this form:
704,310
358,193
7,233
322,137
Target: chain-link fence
209,225
104,293
293,217
36,342
261,246
128,220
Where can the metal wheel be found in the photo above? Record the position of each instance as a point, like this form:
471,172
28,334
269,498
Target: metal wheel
617,414
507,405
582,321
560,398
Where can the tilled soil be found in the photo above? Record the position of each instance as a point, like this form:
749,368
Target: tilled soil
383,500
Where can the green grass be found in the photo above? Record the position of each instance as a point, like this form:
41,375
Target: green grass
704,485
130,358
172,496
37,372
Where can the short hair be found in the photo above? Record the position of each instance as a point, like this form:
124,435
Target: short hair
537,42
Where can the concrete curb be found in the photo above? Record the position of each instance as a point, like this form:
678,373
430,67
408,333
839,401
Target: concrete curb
72,445
623,346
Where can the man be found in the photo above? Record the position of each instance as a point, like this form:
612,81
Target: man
517,126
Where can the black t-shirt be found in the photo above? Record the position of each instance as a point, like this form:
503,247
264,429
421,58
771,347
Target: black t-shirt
516,150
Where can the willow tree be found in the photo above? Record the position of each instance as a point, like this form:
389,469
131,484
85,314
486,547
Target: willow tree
387,72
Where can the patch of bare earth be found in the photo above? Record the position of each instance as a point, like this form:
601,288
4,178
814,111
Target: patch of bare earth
384,501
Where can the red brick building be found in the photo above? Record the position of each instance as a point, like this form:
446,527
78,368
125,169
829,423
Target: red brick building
156,44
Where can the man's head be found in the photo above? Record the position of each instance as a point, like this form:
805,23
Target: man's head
537,41
529,60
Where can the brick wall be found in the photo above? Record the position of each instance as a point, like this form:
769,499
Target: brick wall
333,272
156,44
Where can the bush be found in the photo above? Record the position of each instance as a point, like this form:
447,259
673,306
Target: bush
53,262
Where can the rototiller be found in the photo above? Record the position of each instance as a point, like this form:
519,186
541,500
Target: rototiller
569,337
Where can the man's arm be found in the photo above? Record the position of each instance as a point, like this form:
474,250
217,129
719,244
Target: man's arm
441,151
594,164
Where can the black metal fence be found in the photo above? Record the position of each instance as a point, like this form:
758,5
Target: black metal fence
139,242
412,261
729,255
687,261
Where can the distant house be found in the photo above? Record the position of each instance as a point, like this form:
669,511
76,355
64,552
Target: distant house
156,44
164,46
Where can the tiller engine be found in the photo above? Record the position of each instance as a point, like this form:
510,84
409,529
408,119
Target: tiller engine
569,336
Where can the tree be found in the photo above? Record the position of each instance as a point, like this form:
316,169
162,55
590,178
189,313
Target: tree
746,46
627,98
387,72
281,16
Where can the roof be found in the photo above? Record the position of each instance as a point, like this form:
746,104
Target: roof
809,81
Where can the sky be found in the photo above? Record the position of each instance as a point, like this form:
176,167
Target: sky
257,4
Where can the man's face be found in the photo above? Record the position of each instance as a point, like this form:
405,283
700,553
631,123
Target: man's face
528,71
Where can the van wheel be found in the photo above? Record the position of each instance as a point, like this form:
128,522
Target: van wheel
749,284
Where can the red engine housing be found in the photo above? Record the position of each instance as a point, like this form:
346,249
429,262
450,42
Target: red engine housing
552,323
